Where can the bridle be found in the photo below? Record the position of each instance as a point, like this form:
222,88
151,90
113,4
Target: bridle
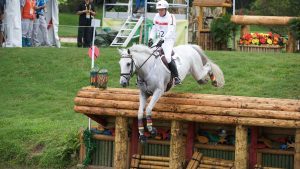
128,75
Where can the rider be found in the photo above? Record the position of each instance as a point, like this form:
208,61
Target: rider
164,27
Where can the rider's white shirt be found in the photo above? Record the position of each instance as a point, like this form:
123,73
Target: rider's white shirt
164,27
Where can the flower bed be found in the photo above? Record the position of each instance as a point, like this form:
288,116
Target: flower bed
261,42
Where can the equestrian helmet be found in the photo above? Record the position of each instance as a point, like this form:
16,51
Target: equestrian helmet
162,4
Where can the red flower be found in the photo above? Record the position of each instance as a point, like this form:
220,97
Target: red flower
262,40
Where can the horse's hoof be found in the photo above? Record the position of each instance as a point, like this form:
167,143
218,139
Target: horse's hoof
143,139
153,132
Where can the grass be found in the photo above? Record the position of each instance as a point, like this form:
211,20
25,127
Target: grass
68,23
38,125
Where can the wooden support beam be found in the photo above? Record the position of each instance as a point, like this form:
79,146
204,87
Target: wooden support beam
177,145
241,148
244,29
253,147
134,137
190,141
297,150
121,142
291,43
82,154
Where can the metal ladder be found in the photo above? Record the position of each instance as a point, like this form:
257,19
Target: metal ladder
127,31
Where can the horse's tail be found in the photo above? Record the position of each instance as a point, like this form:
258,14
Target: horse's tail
216,70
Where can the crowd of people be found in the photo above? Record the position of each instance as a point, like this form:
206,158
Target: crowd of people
33,21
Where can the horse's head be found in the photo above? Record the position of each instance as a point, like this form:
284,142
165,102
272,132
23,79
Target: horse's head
127,67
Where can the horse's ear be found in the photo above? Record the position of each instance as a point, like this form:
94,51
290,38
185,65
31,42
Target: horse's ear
128,51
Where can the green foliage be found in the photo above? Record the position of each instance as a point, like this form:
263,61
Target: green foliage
69,5
294,26
62,2
276,7
90,145
222,29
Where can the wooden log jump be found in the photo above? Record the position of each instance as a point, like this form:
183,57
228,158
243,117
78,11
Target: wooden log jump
179,108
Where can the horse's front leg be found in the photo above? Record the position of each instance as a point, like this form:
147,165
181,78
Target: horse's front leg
156,95
143,100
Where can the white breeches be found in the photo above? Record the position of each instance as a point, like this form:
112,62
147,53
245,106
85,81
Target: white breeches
167,46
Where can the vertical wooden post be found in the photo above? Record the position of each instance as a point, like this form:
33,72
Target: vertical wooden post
291,43
200,24
253,147
134,137
177,147
244,29
190,141
241,152
121,142
297,150
82,147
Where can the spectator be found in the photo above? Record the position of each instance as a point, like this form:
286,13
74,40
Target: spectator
40,23
2,6
86,12
139,6
28,15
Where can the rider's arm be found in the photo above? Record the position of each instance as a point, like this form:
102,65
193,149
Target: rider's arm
154,29
171,27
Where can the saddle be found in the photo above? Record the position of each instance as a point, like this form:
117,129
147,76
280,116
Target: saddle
161,54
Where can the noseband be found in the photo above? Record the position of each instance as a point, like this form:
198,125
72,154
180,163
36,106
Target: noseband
130,73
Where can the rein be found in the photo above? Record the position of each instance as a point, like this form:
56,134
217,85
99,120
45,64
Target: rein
148,58
133,63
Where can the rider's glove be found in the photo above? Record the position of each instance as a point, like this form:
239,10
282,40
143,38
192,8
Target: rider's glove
160,42
150,42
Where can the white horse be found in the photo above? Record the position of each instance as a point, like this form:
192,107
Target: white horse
153,76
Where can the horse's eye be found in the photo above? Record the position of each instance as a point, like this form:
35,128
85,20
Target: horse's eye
128,64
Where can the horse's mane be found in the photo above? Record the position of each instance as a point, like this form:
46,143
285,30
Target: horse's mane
140,48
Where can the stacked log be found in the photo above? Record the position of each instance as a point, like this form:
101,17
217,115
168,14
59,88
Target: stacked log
238,110
149,162
200,161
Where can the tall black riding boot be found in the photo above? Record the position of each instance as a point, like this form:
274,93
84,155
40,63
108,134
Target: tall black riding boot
174,72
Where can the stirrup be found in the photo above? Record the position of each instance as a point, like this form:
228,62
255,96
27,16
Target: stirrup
143,139
177,81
